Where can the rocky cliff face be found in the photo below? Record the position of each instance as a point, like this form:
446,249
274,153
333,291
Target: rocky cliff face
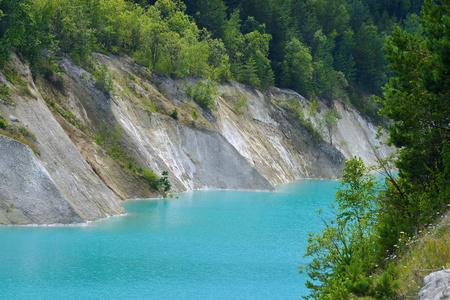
253,147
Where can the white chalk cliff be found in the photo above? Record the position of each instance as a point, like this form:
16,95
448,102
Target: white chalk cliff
72,180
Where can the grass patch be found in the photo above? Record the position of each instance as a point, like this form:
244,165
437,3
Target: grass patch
428,251
4,94
150,106
66,114
240,103
12,75
21,134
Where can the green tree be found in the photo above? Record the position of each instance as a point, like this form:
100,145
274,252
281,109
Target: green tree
324,75
329,120
72,28
161,184
210,14
248,75
256,52
297,67
342,254
359,12
369,57
248,53
116,23
219,61
233,38
154,37
24,29
344,60
417,98
332,15
412,24
164,183
304,21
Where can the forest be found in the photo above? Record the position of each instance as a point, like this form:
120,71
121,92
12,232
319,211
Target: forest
325,48
396,50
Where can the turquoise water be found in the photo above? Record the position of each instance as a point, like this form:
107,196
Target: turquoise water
199,245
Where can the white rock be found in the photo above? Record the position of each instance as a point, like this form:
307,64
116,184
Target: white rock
437,286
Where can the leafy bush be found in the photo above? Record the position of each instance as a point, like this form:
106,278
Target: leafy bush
174,114
195,115
4,90
103,79
110,141
188,91
295,112
240,103
204,93
12,75
161,185
152,178
3,124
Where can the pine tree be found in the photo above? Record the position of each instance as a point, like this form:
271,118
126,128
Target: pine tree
249,75
417,98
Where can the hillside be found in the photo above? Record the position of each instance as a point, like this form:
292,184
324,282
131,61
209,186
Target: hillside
251,146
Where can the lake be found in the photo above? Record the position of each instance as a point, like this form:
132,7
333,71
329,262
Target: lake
198,245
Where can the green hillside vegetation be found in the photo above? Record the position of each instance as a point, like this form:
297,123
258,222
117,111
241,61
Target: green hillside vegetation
326,48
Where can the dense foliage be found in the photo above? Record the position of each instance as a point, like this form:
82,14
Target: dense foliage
24,29
316,47
314,44
355,253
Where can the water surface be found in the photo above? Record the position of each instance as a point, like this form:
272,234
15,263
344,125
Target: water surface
199,245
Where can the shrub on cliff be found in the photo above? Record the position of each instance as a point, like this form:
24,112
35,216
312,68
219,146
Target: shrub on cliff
151,178
161,184
204,93
174,114
103,79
